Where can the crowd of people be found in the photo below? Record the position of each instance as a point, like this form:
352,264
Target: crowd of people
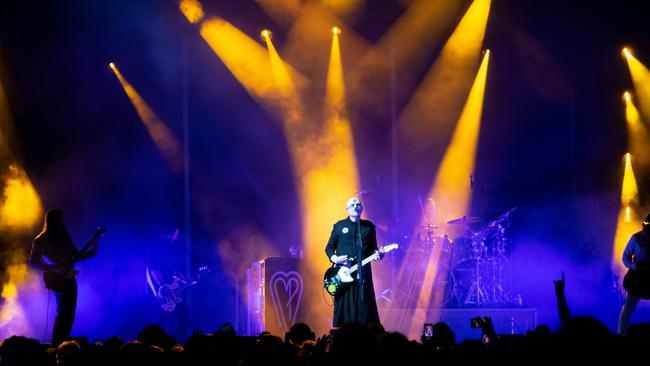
350,344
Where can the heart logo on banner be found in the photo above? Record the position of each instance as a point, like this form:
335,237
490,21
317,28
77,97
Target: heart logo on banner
286,293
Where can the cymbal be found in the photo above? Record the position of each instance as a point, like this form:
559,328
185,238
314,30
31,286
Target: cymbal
502,217
465,220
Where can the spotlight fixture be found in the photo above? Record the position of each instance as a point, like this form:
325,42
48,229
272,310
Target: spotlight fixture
112,65
626,52
336,31
627,96
266,34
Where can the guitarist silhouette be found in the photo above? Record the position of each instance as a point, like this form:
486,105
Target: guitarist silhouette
54,252
636,257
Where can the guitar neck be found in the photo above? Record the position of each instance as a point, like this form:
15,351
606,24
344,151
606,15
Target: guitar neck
363,263
85,248
371,257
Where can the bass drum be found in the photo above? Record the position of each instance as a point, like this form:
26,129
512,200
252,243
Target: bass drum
467,249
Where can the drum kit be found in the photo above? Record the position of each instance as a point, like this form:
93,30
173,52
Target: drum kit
480,262
476,261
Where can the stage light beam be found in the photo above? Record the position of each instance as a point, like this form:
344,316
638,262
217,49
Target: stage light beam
641,80
451,187
332,176
164,139
21,205
627,222
637,131
247,60
446,84
405,47
287,84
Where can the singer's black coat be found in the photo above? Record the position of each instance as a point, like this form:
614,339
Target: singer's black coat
346,302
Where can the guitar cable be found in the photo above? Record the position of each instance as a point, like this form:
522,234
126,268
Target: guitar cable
325,298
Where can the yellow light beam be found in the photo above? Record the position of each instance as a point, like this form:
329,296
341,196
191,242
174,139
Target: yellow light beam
246,59
331,178
441,94
636,130
162,136
406,44
20,212
451,188
250,64
304,45
287,94
641,80
440,97
335,104
629,190
627,222
21,205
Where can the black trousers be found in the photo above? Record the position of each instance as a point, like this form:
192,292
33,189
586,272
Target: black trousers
66,306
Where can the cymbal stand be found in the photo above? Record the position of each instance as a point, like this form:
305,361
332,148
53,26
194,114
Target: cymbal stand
501,293
454,297
477,294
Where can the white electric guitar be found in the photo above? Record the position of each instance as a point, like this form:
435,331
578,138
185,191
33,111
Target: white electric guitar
339,275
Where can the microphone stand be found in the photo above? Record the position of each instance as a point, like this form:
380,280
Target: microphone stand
361,310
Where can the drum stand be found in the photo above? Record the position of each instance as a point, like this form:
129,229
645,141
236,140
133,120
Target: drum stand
454,298
476,294
501,293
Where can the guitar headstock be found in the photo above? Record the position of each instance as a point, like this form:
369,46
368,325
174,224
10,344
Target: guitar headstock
100,232
202,270
389,248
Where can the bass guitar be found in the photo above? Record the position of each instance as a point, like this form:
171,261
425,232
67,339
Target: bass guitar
55,281
338,276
